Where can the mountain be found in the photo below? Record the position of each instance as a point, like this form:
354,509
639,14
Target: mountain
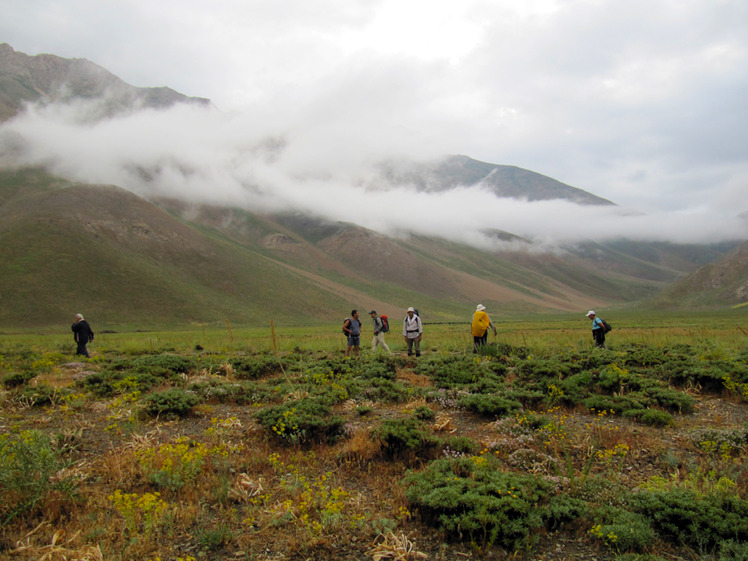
722,283
504,181
132,262
48,78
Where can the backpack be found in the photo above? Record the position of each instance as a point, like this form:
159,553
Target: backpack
385,324
606,325
346,322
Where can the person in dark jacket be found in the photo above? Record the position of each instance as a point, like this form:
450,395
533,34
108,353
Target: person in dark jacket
82,333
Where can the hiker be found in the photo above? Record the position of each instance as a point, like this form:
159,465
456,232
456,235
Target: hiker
481,323
413,331
598,330
378,339
82,333
352,328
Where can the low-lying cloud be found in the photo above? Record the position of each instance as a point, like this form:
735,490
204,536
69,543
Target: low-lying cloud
266,162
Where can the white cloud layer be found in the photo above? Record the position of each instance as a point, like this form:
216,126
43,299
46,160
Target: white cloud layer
641,103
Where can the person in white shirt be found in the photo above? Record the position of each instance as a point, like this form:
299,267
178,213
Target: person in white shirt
413,332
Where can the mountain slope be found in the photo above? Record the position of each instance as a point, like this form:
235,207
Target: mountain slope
504,181
723,283
49,78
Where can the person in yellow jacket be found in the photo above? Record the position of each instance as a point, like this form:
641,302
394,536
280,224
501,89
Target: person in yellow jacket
481,323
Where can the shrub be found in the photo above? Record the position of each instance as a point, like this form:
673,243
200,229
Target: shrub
424,413
622,530
471,499
42,394
16,379
403,435
617,403
224,391
162,365
489,405
30,469
383,389
174,401
252,368
302,421
731,550
699,521
461,445
671,399
651,417
108,384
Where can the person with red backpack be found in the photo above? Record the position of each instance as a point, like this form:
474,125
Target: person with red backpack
381,326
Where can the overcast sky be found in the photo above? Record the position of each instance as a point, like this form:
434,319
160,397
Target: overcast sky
643,102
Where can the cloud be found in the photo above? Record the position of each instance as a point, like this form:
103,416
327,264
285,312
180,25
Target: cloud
318,167
640,103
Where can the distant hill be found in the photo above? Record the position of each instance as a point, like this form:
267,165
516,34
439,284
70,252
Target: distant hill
125,260
48,78
722,283
131,262
504,181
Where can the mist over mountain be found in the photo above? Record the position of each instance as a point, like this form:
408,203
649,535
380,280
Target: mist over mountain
46,79
225,216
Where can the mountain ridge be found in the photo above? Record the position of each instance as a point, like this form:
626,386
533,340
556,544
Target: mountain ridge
133,261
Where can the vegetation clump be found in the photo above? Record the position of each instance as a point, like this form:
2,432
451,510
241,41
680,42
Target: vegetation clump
637,452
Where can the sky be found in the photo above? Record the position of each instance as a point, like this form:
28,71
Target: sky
643,102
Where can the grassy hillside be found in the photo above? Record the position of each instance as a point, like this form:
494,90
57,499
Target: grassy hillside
723,283
110,254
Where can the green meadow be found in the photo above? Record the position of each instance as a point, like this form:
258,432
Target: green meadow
542,332
228,442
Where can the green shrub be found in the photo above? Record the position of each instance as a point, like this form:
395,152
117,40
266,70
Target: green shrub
731,550
471,499
424,413
504,352
42,395
621,529
542,369
301,421
30,469
489,405
253,368
381,367
161,365
172,402
108,384
383,389
16,379
403,435
671,399
683,516
461,445
223,391
616,403
651,417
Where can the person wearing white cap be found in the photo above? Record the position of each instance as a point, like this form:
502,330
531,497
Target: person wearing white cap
413,331
481,323
598,330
